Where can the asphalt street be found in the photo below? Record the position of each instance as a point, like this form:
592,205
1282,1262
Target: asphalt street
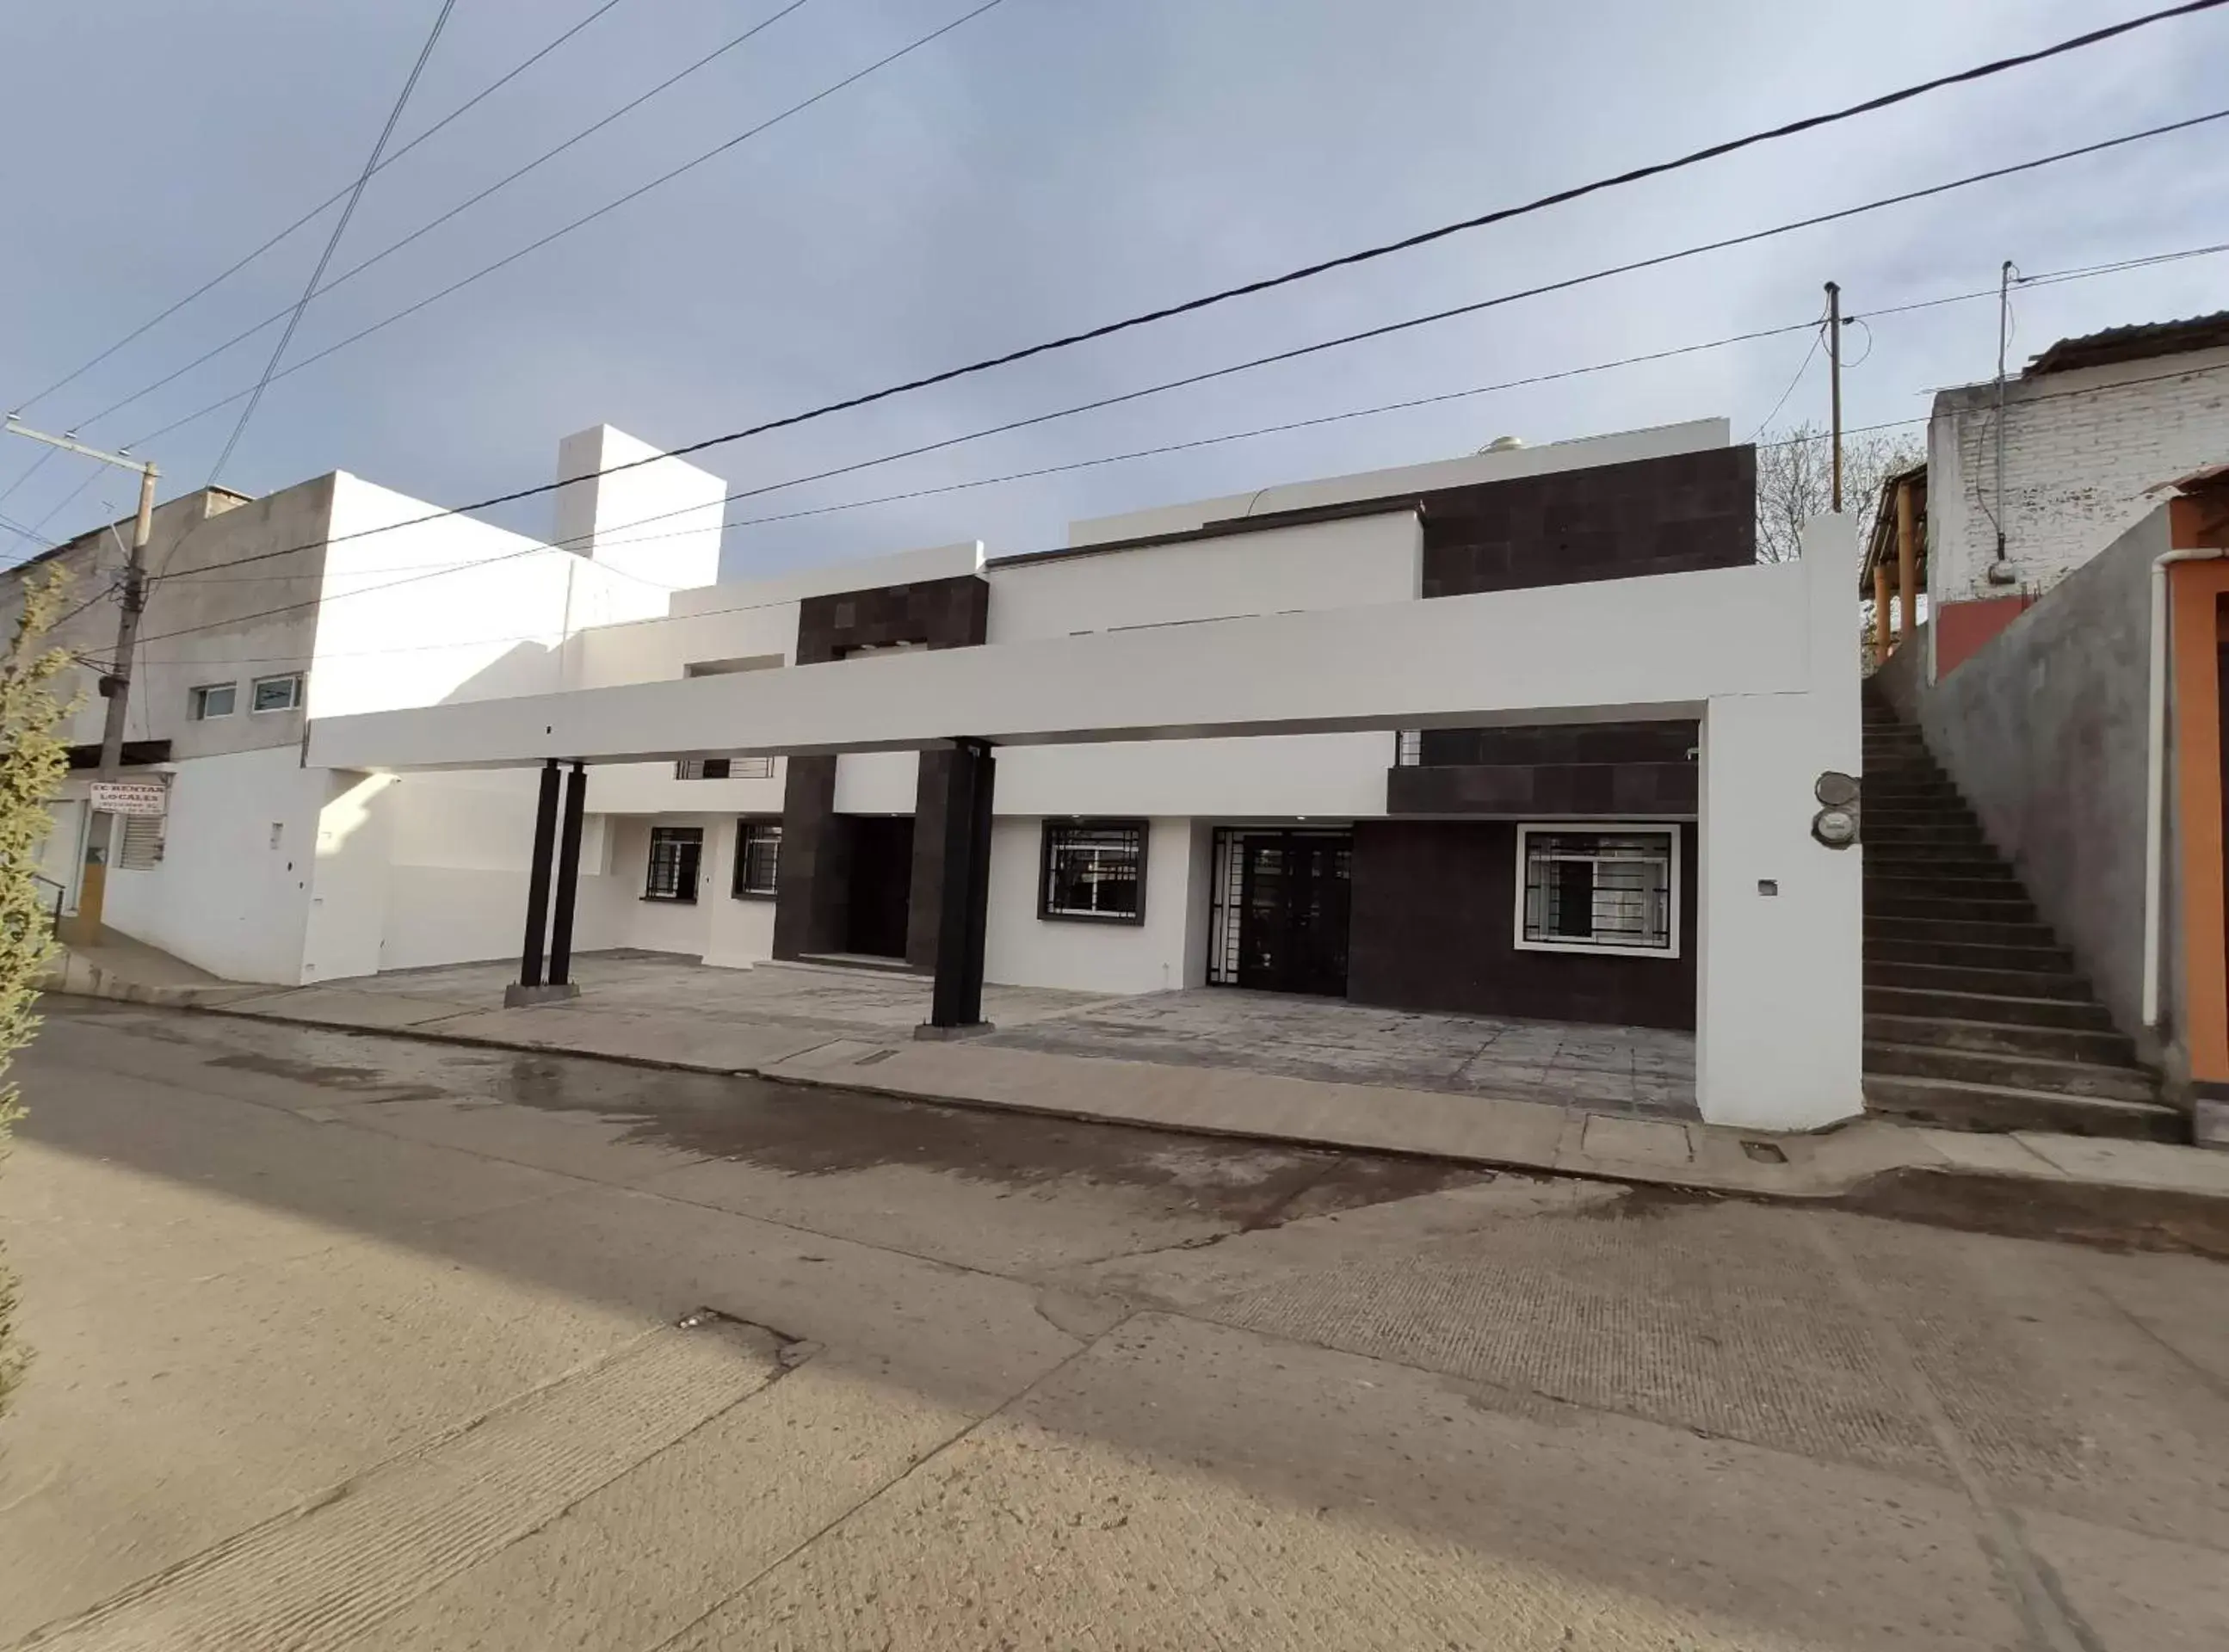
349,1342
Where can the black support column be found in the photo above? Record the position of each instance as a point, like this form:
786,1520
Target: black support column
537,877
956,1006
569,877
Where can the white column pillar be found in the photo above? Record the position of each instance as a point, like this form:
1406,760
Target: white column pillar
1780,989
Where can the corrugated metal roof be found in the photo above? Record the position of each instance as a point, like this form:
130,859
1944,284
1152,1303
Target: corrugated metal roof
2133,343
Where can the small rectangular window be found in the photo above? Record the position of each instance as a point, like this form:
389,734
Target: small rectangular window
143,844
211,699
1094,869
1598,889
277,694
675,852
758,858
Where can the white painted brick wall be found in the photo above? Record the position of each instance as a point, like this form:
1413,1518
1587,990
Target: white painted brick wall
2081,450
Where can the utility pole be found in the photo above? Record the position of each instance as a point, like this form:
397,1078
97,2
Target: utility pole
117,684
1835,380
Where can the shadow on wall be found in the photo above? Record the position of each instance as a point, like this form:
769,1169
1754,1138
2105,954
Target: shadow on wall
2043,728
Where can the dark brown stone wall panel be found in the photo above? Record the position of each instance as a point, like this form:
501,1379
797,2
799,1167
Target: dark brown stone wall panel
1665,516
816,867
934,613
1434,928
1544,790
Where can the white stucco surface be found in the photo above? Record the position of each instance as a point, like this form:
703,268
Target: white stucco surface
1022,949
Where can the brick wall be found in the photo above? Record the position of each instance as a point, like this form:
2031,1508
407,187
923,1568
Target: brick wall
2080,450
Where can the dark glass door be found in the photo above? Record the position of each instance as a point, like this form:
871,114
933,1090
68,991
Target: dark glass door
881,885
1292,910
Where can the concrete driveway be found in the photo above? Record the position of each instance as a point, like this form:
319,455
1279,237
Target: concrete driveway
352,1343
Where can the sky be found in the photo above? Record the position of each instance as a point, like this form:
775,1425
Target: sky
1048,165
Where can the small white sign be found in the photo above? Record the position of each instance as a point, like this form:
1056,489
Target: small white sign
131,796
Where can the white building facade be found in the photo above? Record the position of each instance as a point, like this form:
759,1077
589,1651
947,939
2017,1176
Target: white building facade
1525,734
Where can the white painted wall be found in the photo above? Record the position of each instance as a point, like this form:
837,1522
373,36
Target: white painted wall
1661,442
1167,951
2083,450
1322,776
658,519
226,897
1345,564
878,783
1780,989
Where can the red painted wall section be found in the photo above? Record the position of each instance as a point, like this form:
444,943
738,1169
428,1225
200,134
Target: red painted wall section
1963,628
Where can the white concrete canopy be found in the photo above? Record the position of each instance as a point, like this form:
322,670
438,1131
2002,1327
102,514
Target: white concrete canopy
1765,656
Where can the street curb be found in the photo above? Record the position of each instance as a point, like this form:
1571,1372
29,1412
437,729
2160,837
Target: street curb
2102,1215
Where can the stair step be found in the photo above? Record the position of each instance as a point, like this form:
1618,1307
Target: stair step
2011,1072
1946,811
2005,1009
1978,955
1943,927
2106,1048
2009,984
2012,908
1930,854
1900,883
1950,1104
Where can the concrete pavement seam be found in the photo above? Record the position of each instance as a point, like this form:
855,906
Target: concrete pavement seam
2050,1619
1084,1346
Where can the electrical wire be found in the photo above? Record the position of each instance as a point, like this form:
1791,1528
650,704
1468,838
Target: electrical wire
531,550
427,228
589,218
231,269
1803,368
1295,353
333,241
29,470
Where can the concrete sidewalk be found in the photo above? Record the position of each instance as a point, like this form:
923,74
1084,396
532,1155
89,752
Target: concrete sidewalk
844,1032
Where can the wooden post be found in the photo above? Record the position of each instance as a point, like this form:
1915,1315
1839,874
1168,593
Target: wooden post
1881,634
1907,559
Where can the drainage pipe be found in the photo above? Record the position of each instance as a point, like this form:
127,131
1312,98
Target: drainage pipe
2155,774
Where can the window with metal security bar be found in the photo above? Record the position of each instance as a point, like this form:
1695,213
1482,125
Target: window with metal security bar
723,768
142,850
758,859
675,855
1093,870
1591,888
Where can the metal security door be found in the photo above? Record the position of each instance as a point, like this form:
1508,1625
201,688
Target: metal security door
1292,910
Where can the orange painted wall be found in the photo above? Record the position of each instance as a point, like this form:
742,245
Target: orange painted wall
1962,628
2198,625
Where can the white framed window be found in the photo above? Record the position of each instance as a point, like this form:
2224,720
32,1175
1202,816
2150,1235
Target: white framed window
212,699
1598,886
282,693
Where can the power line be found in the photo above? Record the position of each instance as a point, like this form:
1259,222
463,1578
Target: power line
1810,123
1803,367
529,550
333,241
589,218
231,269
427,228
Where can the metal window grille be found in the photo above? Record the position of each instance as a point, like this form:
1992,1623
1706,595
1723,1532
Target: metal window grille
1408,748
758,857
143,844
723,768
675,853
1611,890
1223,909
1095,869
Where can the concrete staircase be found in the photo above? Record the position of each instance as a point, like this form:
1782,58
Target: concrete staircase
1976,1018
